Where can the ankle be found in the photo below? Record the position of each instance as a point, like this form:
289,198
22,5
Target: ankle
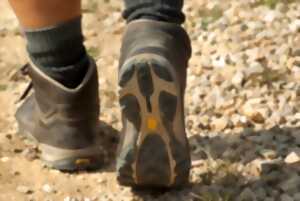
59,52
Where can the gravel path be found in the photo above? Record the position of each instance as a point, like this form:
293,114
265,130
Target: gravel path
242,106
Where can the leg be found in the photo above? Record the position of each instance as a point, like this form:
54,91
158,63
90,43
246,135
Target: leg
65,82
54,37
154,57
162,10
35,14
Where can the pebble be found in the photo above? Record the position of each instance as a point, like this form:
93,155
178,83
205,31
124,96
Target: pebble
286,197
296,196
47,188
68,198
292,158
268,153
30,153
4,159
291,185
247,195
252,113
101,180
295,25
220,124
238,79
243,80
24,189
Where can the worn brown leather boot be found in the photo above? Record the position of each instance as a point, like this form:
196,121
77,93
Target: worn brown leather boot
63,121
154,151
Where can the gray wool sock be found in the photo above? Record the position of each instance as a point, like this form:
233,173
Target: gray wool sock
59,51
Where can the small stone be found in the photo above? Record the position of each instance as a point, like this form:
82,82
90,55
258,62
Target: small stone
247,195
30,153
197,163
217,79
219,63
297,116
257,117
237,78
17,150
24,189
260,193
297,196
101,181
254,69
8,136
286,197
295,25
5,159
291,185
47,188
271,16
68,198
268,153
220,124
252,113
203,121
292,158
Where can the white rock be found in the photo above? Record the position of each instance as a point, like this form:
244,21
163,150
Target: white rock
271,16
68,198
295,25
220,123
293,157
254,68
47,188
237,78
24,189
5,159
219,63
197,163
297,116
252,113
101,180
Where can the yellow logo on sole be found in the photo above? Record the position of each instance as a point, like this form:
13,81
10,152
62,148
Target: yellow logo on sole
152,123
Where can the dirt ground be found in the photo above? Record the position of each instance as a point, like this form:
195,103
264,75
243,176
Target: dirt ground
242,106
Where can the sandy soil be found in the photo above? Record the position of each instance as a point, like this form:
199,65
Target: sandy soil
242,107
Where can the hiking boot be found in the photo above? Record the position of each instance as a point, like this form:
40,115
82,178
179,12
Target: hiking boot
154,150
63,121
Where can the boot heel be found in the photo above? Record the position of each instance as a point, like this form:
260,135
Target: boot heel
151,106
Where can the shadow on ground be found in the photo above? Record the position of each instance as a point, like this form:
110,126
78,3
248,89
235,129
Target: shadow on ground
108,141
220,177
229,167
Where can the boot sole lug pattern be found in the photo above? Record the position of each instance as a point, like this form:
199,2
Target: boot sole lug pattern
150,97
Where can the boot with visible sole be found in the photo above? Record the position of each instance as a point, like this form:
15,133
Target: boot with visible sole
63,121
154,151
